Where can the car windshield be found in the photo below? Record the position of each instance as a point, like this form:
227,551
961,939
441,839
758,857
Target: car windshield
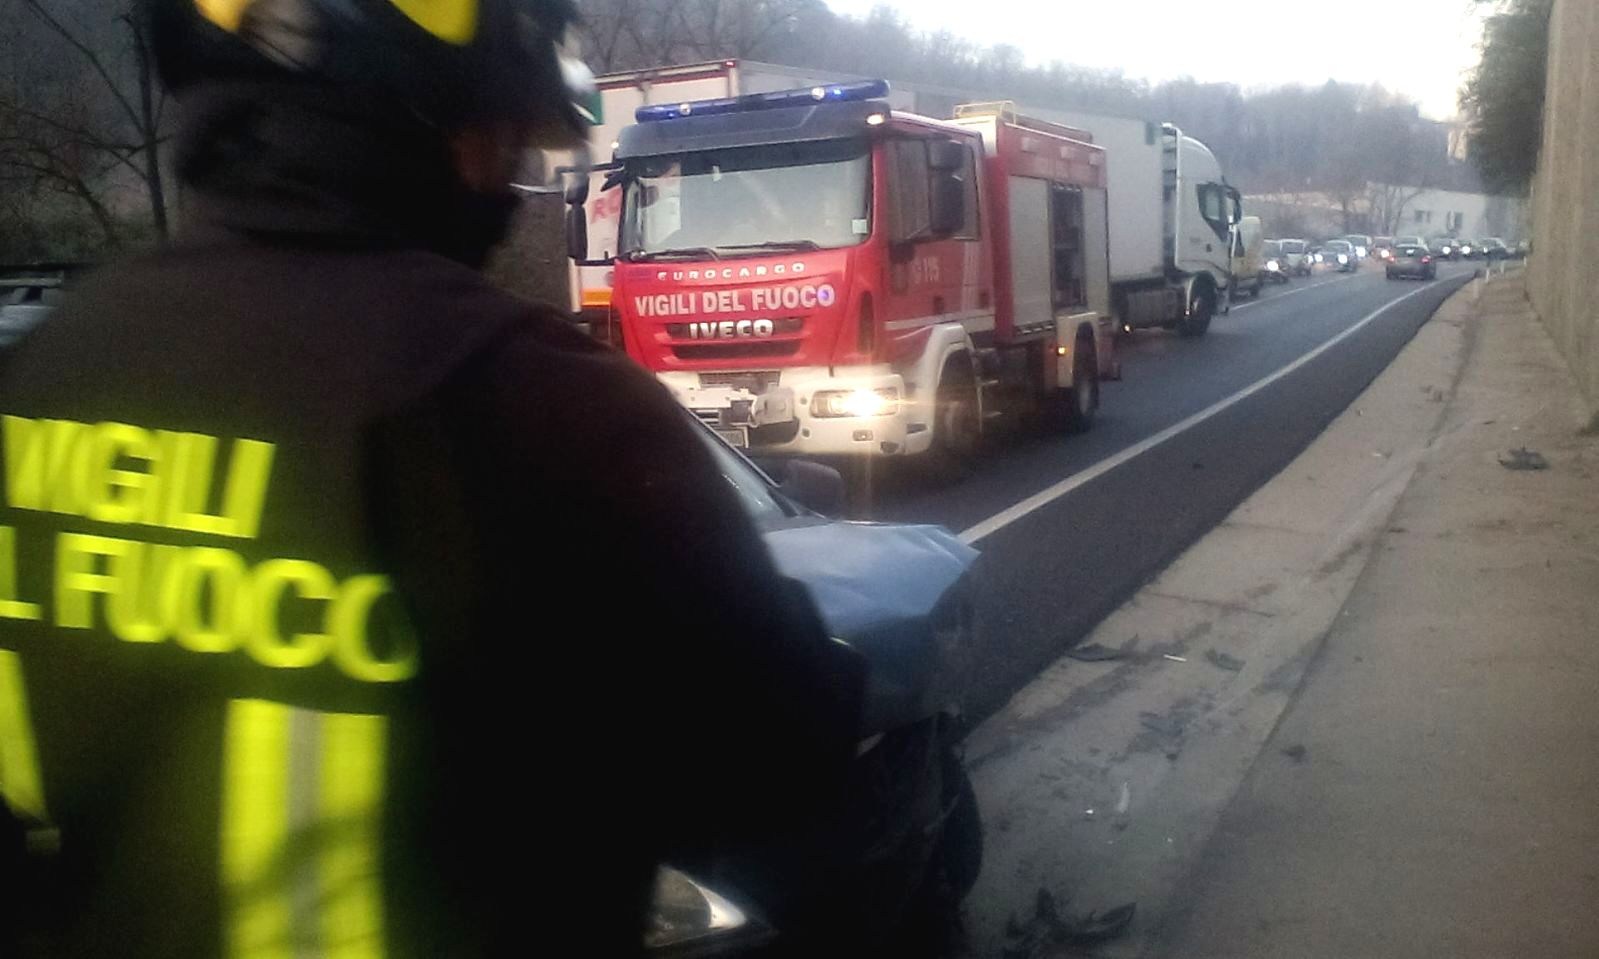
794,196
1293,246
1272,248
1336,246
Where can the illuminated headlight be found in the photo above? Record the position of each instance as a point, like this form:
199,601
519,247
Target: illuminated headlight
1318,258
855,403
1466,249
1359,251
684,914
1343,258
1273,265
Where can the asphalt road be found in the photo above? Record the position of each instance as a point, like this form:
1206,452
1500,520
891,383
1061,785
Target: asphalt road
1071,526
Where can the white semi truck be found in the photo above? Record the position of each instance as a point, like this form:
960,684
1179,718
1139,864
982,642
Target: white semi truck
1173,219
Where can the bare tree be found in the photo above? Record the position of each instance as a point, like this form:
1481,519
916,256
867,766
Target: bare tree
82,113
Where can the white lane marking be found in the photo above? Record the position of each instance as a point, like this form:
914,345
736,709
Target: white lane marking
1303,289
1043,498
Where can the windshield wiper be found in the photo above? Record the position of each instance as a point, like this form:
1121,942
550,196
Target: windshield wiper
774,245
706,252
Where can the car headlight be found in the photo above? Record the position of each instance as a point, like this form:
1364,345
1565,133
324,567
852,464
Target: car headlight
1273,265
1343,258
1360,251
1318,258
829,403
682,911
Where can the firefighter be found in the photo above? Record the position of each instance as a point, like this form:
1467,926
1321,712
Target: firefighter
348,606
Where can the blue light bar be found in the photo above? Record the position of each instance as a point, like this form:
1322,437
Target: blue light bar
824,93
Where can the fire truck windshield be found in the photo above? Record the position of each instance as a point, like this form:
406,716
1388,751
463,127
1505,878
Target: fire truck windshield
749,200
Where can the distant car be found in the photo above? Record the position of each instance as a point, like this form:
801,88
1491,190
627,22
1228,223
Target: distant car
26,298
1412,259
1382,248
1493,248
1338,255
1297,257
1275,268
1445,247
1360,243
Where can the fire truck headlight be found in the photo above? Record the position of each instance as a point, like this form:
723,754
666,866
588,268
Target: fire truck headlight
831,403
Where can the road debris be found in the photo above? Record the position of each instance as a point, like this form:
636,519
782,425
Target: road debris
1175,659
1047,928
1296,752
1125,800
1095,653
1221,660
1523,459
1167,726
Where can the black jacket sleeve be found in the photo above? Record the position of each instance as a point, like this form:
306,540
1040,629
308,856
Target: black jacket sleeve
597,609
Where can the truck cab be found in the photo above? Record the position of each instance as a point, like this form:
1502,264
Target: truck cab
812,272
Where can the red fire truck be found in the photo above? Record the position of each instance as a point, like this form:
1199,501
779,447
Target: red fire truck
812,272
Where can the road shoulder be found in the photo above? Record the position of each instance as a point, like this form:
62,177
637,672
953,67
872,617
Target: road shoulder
1430,791
1101,782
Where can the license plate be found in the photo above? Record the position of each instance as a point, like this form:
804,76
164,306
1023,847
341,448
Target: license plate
738,436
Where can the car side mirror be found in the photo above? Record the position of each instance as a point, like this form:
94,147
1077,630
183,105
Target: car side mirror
814,486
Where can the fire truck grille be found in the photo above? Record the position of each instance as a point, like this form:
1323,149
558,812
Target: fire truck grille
756,381
736,351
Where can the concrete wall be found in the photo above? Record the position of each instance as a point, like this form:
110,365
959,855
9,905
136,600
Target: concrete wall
1562,280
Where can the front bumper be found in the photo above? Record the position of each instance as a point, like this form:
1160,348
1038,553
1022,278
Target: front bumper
777,418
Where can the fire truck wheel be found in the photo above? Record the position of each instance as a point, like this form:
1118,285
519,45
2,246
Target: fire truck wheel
1081,402
957,423
1200,309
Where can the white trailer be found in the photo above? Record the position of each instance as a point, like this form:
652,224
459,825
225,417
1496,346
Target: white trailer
1172,218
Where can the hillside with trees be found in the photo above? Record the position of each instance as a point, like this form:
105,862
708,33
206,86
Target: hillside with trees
84,130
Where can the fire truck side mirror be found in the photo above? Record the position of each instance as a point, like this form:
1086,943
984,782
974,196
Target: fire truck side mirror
577,190
949,203
577,232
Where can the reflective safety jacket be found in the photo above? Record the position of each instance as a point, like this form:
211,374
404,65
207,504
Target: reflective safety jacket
351,608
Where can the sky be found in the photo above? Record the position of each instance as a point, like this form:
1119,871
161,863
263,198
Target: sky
1419,47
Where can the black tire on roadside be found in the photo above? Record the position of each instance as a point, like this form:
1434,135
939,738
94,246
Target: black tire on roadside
1200,309
960,850
957,421
1077,406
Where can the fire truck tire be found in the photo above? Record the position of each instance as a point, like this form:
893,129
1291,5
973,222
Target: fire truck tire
1201,306
957,419
1079,403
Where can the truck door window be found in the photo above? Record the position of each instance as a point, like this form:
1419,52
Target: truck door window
1066,245
909,192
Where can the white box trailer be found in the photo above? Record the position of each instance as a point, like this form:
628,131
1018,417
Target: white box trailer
1171,220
